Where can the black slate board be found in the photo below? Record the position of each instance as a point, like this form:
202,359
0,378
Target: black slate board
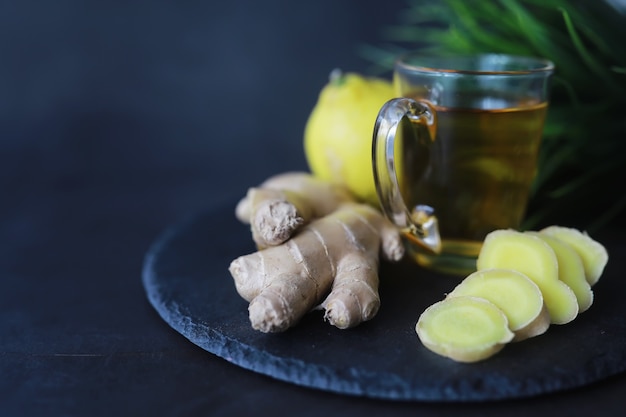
186,280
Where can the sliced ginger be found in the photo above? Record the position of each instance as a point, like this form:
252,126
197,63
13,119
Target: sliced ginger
464,328
533,257
532,278
593,254
519,298
571,270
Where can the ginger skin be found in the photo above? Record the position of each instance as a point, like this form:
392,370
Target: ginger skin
283,203
329,260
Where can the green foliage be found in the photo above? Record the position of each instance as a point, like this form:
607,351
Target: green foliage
584,149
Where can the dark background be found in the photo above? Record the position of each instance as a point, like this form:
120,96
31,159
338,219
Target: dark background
119,118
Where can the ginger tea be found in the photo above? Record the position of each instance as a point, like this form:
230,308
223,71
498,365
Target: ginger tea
486,114
478,173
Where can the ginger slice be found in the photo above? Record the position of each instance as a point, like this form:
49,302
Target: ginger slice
518,297
571,270
533,257
592,253
464,328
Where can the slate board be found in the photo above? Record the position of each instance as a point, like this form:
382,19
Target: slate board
186,279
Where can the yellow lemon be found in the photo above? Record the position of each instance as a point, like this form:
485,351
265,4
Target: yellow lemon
338,133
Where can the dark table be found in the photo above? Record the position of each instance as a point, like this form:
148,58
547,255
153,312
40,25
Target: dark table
118,119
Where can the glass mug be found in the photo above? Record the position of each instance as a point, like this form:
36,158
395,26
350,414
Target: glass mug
454,157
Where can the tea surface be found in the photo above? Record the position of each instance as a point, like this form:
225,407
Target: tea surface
479,170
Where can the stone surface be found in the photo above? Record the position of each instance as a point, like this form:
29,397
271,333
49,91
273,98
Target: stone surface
186,280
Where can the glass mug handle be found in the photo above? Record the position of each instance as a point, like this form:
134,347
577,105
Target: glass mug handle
419,224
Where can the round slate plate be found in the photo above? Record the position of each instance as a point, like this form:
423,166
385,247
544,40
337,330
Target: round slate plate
187,281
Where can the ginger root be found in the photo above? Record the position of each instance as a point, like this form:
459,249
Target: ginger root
317,249
283,203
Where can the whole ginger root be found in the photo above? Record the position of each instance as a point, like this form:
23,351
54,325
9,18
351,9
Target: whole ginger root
318,248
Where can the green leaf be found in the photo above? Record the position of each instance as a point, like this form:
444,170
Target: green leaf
584,131
587,57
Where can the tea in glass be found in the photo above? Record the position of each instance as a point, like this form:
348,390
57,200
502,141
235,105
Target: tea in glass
467,158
